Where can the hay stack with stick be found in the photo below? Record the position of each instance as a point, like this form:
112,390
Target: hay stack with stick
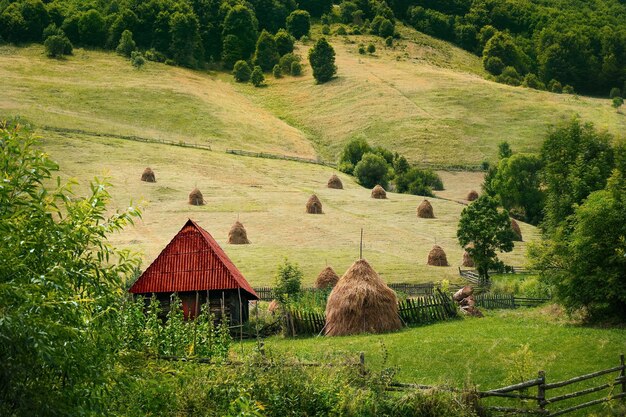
148,175
467,260
335,182
425,210
361,302
437,257
314,205
238,235
472,195
378,192
327,278
516,230
196,198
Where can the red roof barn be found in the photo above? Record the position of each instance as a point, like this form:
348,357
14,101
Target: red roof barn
194,265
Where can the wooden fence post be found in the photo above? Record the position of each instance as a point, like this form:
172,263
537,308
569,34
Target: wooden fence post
362,363
622,373
541,390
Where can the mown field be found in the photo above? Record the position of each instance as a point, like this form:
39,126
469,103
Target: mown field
269,197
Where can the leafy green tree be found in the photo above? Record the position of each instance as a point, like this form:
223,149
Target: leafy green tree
532,81
257,78
466,36
36,18
585,261
316,7
266,54
242,71
57,46
516,184
400,165
353,153
277,72
494,65
484,230
555,87
126,20
502,46
372,169
127,44
371,48
284,42
231,51
13,27
70,28
241,23
577,161
186,44
418,182
286,61
299,23
504,150
322,60
386,28
50,30
296,68
617,102
137,59
92,28
59,283
287,281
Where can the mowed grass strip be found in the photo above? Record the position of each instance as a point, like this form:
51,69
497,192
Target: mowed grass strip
101,92
268,197
423,98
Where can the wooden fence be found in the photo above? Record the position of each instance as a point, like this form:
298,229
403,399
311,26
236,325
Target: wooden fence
523,402
427,309
267,293
303,323
278,156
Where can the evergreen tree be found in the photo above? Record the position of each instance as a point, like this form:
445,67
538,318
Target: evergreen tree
241,71
231,51
241,23
127,44
185,47
284,42
299,23
257,78
92,28
266,54
322,60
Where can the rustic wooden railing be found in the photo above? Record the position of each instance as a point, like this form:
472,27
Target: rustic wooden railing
428,309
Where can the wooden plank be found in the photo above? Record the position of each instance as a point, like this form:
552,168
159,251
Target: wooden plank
515,387
583,377
580,393
587,404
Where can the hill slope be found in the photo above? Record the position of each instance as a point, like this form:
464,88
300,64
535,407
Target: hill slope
269,198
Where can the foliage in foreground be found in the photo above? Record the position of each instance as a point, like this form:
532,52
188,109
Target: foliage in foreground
60,282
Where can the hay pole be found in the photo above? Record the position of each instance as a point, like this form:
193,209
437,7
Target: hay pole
361,245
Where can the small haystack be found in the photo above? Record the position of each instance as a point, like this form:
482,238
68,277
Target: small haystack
238,235
195,198
516,230
437,257
425,210
361,302
314,205
148,175
335,182
467,260
472,195
327,278
378,192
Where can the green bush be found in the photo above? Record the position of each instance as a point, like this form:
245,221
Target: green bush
242,71
92,28
127,44
284,42
372,169
299,23
296,68
386,28
362,49
137,59
389,41
341,31
555,86
509,76
325,30
568,89
286,62
51,30
617,102
288,280
322,60
532,81
371,48
494,65
418,182
353,153
57,45
266,54
277,72
257,78
615,92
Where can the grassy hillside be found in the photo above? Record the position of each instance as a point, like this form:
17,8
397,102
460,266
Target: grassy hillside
269,197
423,98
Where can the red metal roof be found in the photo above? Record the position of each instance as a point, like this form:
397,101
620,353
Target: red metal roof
192,261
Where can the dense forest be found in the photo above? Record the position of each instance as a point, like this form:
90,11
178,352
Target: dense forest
545,44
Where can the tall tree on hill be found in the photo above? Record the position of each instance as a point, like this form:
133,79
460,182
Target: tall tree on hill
299,23
284,42
186,46
241,23
484,230
92,28
266,54
316,7
322,60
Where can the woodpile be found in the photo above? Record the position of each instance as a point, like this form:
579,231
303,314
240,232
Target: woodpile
465,299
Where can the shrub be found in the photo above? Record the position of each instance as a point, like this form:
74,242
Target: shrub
418,182
325,30
57,45
362,49
615,92
568,89
341,31
494,65
617,102
51,30
231,51
555,86
242,71
266,54
276,71
286,61
299,23
509,76
389,41
322,60
386,28
372,169
257,78
92,28
288,280
296,68
532,81
154,55
137,59
127,44
371,48
352,153
284,42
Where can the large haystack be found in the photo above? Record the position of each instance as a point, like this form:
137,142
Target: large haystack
314,205
379,192
472,195
467,260
327,278
238,234
335,182
516,230
425,210
148,175
437,257
195,198
361,302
